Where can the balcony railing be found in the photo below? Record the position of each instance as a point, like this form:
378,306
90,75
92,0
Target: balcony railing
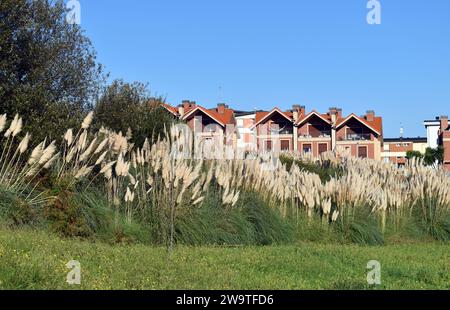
323,134
358,137
281,132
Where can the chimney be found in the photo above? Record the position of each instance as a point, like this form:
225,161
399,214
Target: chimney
337,112
302,110
181,110
221,108
444,123
370,115
296,112
186,105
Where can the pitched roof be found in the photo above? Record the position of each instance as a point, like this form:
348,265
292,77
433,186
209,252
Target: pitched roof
325,117
227,117
262,116
376,125
171,109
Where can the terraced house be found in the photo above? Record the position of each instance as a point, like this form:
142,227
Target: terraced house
316,133
293,130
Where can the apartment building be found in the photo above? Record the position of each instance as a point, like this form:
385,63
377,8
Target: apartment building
396,149
293,130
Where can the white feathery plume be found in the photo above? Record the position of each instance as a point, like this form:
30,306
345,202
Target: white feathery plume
107,167
101,158
24,143
69,136
17,128
36,153
51,161
88,151
2,122
12,126
47,153
82,172
101,146
87,120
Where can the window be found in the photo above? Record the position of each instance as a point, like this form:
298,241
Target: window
307,148
269,145
362,151
285,145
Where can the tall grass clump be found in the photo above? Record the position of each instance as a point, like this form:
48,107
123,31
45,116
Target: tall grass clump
97,184
21,167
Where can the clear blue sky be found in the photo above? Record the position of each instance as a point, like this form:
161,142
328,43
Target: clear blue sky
261,53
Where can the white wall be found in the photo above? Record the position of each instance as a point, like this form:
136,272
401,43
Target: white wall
432,133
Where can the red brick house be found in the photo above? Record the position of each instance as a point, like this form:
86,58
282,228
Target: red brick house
444,139
208,124
274,130
293,130
317,133
361,136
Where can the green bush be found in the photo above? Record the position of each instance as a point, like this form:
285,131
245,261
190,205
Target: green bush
16,211
325,170
250,222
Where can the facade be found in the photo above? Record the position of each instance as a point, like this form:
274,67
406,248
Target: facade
244,124
294,130
395,149
316,133
433,127
438,134
444,140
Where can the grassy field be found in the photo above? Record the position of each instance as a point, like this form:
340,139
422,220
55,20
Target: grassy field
36,260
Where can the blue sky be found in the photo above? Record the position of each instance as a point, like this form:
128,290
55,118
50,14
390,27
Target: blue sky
261,53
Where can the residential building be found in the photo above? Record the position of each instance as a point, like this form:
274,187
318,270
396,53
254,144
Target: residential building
293,130
444,140
210,124
396,149
433,127
244,123
316,133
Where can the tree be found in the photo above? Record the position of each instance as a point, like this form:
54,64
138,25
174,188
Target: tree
434,156
412,154
48,69
124,106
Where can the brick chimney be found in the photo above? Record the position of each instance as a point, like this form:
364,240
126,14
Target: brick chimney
337,112
370,115
186,105
302,111
444,123
221,108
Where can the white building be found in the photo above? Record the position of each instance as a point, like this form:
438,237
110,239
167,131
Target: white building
433,127
244,123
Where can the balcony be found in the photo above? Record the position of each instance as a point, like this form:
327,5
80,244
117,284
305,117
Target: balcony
321,134
358,137
288,131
